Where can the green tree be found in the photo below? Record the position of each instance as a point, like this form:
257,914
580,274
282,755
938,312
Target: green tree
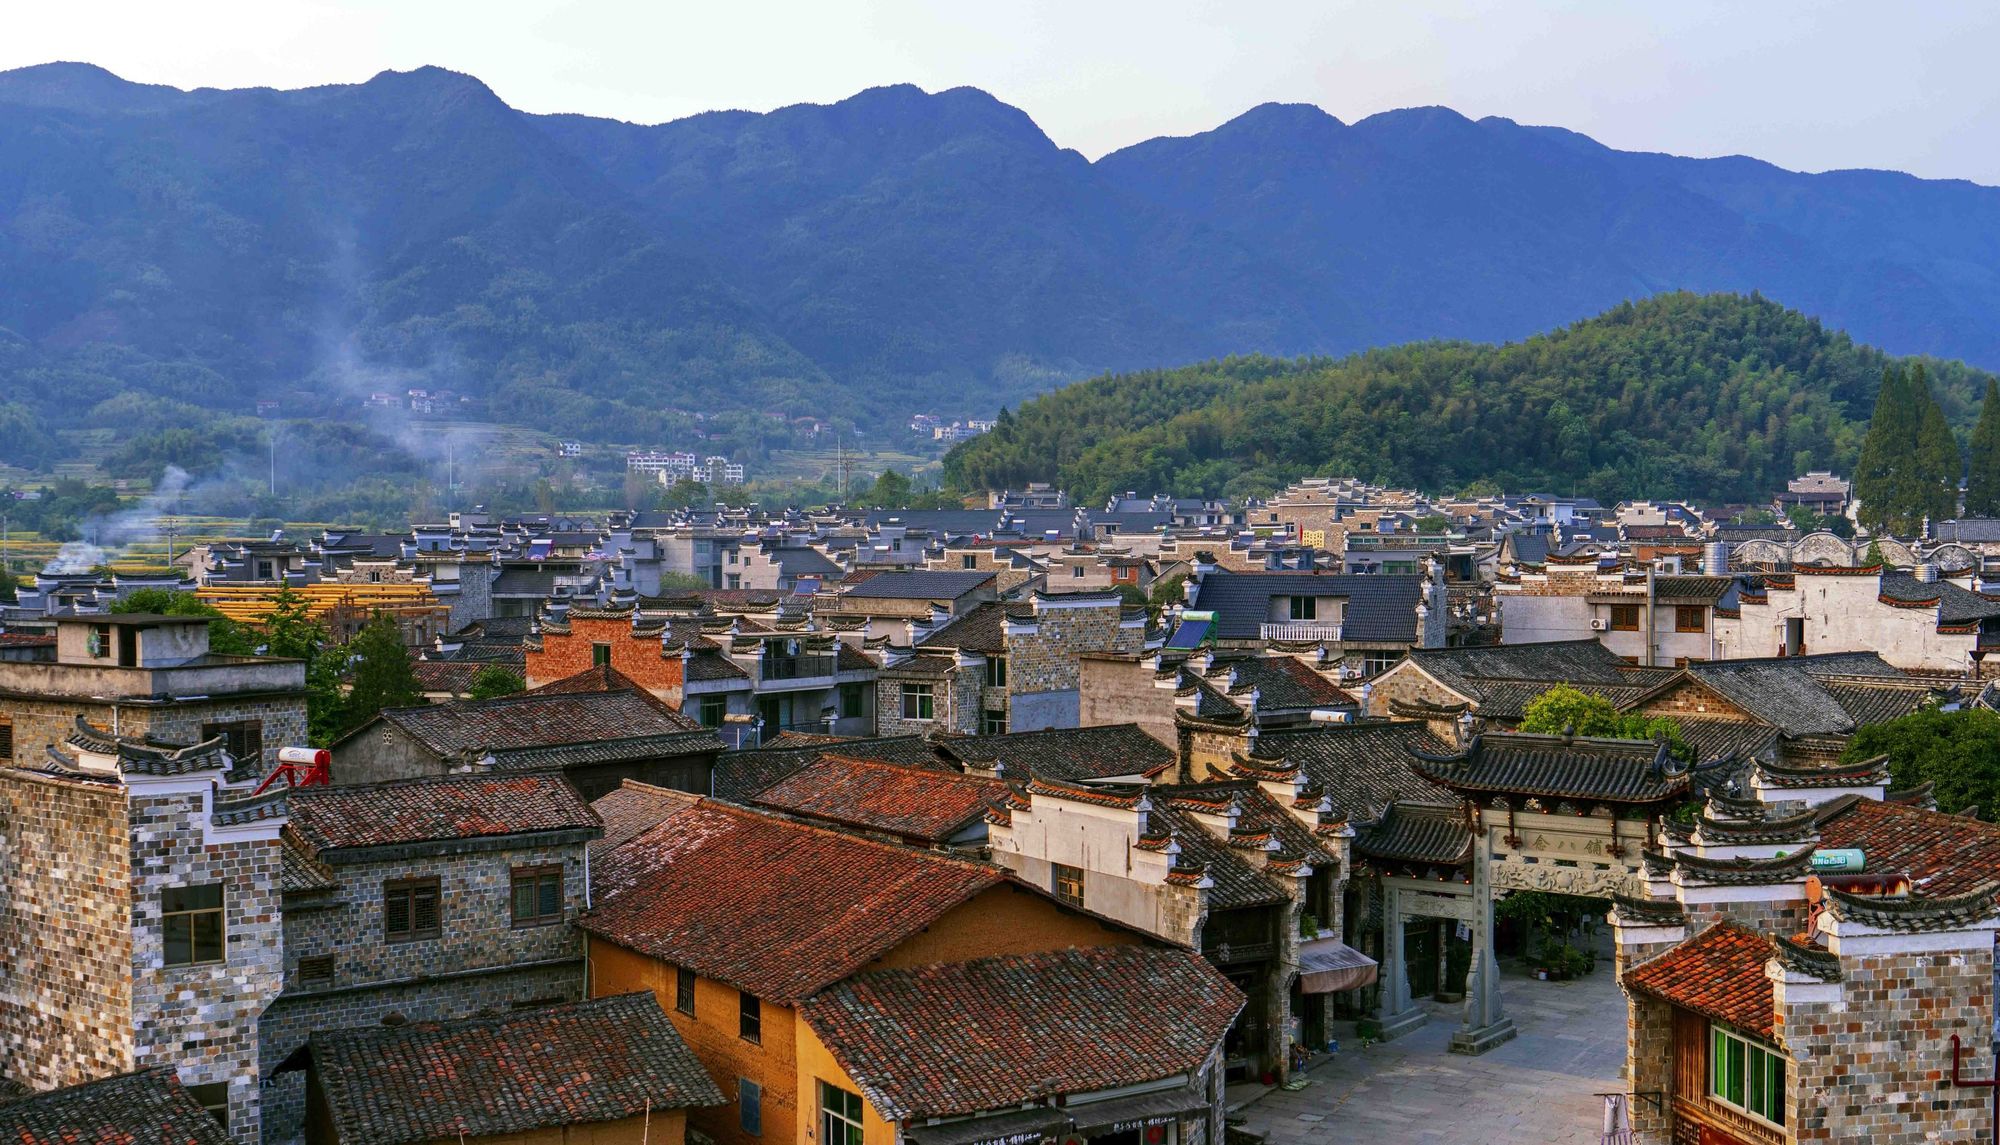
685,494
289,629
1566,710
225,636
1434,524
1957,751
891,490
326,697
1167,592
1802,518
380,673
494,681
1873,558
1982,482
1882,475
1939,464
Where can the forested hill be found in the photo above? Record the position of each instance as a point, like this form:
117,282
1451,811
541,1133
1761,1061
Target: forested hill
167,254
1702,396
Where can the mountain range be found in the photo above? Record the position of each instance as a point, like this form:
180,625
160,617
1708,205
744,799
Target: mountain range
168,253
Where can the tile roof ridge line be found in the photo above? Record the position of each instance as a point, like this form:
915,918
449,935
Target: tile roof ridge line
739,811
892,765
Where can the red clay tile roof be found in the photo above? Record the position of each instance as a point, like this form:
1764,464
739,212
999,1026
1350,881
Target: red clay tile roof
1718,973
144,1108
451,676
576,1064
989,1033
775,907
635,807
1944,855
911,802
438,809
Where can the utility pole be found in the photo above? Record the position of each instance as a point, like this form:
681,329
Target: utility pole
274,464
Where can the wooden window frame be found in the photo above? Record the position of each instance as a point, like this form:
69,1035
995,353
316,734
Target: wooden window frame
1682,623
538,875
853,702
193,915
1061,874
6,738
409,887
1618,612
749,1018
684,980
243,739
316,968
719,705
992,722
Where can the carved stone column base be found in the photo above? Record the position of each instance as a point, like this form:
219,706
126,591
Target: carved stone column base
1484,1038
1396,1025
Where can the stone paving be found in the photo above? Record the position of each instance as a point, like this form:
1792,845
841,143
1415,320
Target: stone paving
1535,1089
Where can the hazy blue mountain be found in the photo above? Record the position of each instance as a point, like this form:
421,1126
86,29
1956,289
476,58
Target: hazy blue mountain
165,251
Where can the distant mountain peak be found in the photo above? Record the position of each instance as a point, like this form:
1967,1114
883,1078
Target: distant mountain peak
77,86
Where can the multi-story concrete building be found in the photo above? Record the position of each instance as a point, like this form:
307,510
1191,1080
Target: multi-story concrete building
149,677
1650,620
1002,666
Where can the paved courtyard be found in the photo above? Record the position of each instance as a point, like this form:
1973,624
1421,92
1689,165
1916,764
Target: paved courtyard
1535,1090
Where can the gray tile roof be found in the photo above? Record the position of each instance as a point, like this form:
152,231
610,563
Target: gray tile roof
1068,755
1568,661
1417,833
577,1064
1562,767
1788,693
1379,608
145,1108
918,584
535,720
1362,767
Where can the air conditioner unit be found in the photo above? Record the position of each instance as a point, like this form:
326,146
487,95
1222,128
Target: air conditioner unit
1599,624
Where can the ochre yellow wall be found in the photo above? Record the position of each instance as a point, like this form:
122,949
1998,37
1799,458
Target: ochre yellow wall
1002,920
816,1064
669,1127
712,1035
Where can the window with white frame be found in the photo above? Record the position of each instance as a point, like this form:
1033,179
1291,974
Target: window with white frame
1746,1075
916,701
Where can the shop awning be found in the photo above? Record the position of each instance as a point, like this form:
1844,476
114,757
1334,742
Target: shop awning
1013,1128
1328,965
1134,1112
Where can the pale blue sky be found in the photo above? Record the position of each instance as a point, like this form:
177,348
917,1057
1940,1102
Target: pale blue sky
1806,85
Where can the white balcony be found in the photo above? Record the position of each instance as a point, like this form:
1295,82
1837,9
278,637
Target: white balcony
1301,631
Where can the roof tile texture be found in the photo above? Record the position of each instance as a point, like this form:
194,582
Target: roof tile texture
994,1032
1718,973
435,810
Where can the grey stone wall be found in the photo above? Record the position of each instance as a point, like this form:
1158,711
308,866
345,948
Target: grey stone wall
65,931
381,753
203,1019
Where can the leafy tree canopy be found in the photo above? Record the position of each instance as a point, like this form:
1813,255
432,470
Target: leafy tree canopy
224,635
494,681
1563,709
1958,751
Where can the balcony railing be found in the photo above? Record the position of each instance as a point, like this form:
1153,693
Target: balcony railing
779,669
1301,630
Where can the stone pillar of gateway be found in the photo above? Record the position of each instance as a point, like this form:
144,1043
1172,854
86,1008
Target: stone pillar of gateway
1563,814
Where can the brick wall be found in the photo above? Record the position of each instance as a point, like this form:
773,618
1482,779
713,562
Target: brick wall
65,931
1122,692
1876,1066
638,657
